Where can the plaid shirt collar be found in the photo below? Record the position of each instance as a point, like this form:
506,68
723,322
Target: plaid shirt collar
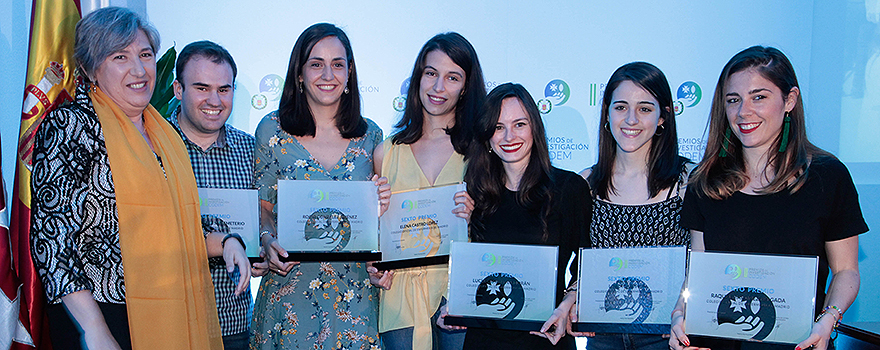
221,142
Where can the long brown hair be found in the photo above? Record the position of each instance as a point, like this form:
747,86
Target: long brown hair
293,111
720,176
485,175
462,53
664,163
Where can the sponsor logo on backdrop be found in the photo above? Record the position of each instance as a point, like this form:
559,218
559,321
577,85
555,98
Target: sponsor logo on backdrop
545,106
567,134
688,95
259,101
678,107
404,87
557,91
594,94
270,90
399,102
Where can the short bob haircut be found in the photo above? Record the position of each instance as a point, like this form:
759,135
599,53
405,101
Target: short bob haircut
719,177
203,49
664,163
485,174
294,113
106,31
462,54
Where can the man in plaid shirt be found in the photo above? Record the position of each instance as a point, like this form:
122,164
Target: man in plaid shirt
222,157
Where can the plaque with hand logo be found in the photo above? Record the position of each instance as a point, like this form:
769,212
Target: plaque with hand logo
769,298
503,286
629,290
328,217
418,227
238,209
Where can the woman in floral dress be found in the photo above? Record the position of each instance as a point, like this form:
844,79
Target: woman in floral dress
317,133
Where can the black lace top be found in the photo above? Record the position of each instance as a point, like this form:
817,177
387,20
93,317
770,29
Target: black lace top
75,223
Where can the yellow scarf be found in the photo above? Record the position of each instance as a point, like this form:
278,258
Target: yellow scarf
168,290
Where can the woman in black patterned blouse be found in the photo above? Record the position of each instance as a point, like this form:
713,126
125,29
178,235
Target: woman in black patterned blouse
637,183
113,186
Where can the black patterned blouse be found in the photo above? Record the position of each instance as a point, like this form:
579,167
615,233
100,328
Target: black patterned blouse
646,225
75,223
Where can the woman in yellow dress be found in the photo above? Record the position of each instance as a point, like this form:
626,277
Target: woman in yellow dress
446,90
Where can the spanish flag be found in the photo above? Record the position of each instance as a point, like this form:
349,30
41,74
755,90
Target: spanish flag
50,82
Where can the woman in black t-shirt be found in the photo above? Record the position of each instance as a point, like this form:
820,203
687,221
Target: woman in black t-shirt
763,187
521,199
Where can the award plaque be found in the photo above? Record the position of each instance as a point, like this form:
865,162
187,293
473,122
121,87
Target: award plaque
328,220
239,209
501,285
418,227
629,290
768,298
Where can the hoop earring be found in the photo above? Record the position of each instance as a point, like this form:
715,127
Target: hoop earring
660,129
607,126
786,127
724,144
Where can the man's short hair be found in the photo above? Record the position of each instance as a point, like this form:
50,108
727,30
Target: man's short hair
206,49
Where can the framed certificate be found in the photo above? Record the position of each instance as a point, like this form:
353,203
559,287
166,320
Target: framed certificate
501,285
629,290
335,217
418,227
239,209
755,297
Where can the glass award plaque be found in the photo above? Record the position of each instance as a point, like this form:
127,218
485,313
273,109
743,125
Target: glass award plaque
328,220
768,298
501,285
239,209
629,290
418,227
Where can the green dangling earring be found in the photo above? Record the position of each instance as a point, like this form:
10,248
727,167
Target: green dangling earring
724,144
786,126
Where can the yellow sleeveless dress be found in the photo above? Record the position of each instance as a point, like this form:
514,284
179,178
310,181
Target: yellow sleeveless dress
415,292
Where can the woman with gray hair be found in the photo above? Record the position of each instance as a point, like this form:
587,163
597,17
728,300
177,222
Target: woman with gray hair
116,235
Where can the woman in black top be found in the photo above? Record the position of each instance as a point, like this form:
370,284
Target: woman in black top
521,199
637,183
762,187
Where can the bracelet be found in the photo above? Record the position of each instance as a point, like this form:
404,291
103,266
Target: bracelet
836,320
839,312
232,235
267,232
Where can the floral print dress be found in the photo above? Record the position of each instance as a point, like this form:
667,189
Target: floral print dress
317,305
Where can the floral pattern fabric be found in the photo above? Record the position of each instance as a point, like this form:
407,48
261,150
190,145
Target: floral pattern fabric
317,305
